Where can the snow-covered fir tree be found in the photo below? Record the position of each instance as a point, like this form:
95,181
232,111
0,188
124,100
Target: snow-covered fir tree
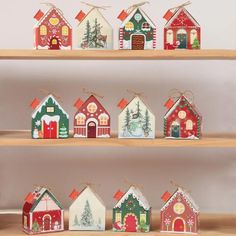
96,41
87,217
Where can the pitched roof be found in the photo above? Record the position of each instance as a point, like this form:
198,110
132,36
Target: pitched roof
187,198
169,112
176,14
44,101
136,193
127,19
48,12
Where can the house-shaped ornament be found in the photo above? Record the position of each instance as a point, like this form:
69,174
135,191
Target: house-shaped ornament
42,213
180,213
135,120
94,31
52,31
91,119
182,120
49,120
132,212
87,212
181,31
137,31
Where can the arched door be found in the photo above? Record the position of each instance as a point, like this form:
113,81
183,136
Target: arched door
130,223
175,130
54,44
138,42
182,38
179,225
46,223
91,130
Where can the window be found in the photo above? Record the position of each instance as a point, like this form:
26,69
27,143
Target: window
50,109
169,37
193,35
80,119
182,114
92,107
129,26
146,26
65,30
43,30
54,42
103,118
179,208
143,217
189,125
118,217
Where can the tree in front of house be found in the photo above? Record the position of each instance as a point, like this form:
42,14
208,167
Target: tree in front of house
147,124
35,226
95,35
87,36
196,44
126,127
87,217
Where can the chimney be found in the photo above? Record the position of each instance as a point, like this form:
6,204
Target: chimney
78,103
80,16
38,16
168,15
123,15
34,104
118,195
29,198
74,194
122,104
169,103
166,196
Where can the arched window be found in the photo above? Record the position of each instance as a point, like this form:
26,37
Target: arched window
189,125
65,30
170,37
129,26
193,35
103,119
92,107
146,26
80,119
43,30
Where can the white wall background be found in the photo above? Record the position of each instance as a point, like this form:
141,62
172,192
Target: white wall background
209,173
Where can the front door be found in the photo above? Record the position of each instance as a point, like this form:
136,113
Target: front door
91,130
50,130
175,130
130,223
138,42
182,38
46,223
54,44
179,225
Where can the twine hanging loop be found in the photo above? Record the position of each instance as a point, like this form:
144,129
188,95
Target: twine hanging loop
92,93
49,4
182,5
134,6
95,6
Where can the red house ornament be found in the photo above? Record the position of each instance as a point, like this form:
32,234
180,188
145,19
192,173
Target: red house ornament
42,213
52,31
180,214
181,31
182,120
91,119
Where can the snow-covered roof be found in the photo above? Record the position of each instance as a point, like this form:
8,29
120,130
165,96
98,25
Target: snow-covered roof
187,198
38,109
177,103
143,13
136,193
48,12
176,14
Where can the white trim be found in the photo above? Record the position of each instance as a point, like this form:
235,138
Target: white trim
31,220
47,215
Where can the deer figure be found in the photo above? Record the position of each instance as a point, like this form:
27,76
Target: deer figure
103,38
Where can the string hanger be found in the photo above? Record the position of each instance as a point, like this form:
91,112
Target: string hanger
136,94
134,6
37,186
182,5
173,183
128,183
95,6
176,94
47,92
92,93
90,184
51,5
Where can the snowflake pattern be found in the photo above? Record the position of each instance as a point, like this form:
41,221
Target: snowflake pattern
38,123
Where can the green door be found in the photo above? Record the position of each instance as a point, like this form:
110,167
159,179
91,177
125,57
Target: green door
182,38
175,131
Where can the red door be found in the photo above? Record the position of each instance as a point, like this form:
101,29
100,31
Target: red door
91,130
138,42
179,225
46,223
54,44
130,223
50,130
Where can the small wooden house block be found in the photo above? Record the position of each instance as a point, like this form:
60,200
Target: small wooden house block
91,120
94,31
179,214
52,31
137,31
181,31
135,120
42,213
49,120
87,212
182,121
132,212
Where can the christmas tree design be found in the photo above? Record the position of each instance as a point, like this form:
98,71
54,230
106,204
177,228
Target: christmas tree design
87,217
87,36
96,33
76,221
196,44
63,132
147,124
35,226
126,127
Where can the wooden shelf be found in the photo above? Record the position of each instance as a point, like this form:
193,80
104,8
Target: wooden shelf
18,54
23,138
211,225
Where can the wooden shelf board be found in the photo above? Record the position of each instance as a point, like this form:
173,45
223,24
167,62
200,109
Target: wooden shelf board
23,138
24,54
211,225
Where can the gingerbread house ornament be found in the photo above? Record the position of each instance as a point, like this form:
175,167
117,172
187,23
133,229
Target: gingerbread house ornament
137,31
49,120
94,31
91,119
132,212
181,31
180,214
42,212
87,212
135,120
182,120
52,31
